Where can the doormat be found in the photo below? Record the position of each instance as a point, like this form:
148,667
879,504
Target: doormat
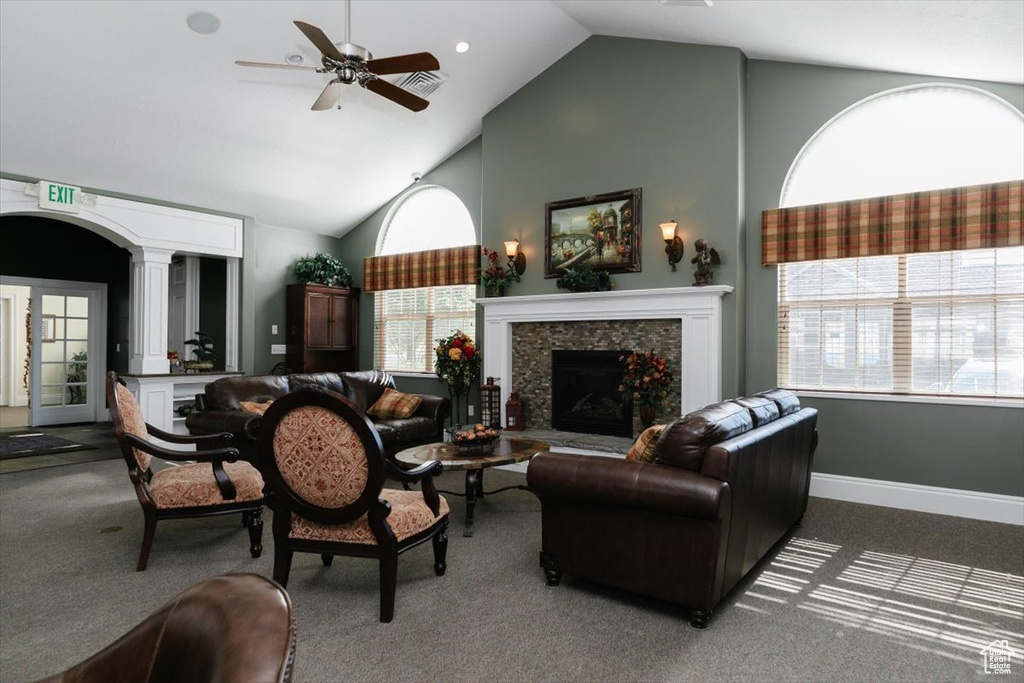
20,445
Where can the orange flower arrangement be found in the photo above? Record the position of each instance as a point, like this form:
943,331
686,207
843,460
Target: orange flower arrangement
457,362
647,378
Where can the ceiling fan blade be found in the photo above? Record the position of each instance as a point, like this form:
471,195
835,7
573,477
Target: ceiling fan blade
418,61
329,97
268,65
320,40
396,94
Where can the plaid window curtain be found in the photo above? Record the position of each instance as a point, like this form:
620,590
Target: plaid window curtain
436,268
976,217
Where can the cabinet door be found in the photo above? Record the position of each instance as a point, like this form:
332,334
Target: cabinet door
318,320
343,323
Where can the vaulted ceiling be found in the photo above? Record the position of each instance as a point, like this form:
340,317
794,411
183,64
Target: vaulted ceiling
122,96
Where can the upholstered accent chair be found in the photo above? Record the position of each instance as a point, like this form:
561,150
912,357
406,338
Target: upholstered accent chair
209,482
325,467
237,627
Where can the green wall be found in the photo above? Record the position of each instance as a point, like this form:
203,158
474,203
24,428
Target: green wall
620,113
270,253
955,446
460,173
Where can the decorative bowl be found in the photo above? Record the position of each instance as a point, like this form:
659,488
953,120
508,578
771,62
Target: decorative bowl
473,439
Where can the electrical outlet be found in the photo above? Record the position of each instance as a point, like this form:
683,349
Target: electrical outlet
118,349
278,349
273,329
469,409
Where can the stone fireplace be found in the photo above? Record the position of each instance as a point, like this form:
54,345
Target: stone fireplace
681,323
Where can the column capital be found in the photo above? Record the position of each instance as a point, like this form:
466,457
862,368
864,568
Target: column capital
151,255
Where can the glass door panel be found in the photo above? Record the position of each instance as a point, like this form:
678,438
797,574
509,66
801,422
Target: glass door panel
61,344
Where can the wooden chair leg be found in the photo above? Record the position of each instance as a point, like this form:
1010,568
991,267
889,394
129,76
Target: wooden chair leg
388,579
440,541
282,563
326,559
254,520
147,542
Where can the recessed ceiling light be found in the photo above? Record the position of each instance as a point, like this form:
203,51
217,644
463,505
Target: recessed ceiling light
203,23
461,46
294,58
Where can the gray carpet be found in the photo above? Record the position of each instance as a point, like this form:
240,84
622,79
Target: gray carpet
859,594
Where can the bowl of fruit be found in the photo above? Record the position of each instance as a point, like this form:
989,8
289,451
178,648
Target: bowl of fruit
476,438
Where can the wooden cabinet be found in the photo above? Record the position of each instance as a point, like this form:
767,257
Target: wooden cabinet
323,329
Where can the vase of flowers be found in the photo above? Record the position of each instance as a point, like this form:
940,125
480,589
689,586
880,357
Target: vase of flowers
457,364
645,382
494,277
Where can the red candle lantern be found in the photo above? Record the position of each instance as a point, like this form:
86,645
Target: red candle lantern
515,421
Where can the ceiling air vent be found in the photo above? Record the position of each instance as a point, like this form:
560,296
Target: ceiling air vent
421,83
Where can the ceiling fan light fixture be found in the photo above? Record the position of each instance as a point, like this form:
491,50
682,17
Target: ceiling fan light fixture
462,47
203,23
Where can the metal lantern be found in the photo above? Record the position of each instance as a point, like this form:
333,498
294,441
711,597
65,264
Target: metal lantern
490,403
515,421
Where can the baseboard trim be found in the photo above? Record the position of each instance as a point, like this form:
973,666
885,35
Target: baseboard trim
990,507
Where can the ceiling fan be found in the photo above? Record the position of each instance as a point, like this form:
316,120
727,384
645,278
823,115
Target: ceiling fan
351,63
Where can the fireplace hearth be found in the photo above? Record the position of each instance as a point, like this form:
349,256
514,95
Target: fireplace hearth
584,393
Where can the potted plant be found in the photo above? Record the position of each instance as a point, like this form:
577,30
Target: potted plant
494,277
585,278
322,269
645,382
204,353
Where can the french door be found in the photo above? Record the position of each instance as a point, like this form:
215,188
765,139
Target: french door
68,353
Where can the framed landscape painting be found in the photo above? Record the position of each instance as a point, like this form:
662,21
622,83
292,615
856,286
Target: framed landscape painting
599,230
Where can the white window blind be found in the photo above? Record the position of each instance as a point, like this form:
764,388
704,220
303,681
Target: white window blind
949,323
407,322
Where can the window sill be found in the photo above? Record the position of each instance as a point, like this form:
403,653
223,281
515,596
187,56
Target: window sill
983,402
410,373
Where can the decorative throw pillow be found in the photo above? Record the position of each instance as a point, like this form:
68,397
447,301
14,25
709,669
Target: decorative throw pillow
643,449
252,407
395,405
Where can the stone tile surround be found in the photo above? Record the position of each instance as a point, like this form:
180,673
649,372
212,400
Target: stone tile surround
533,342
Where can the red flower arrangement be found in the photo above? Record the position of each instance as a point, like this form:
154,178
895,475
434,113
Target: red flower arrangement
494,275
647,378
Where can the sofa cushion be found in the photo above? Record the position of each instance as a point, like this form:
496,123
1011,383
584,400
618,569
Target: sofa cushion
366,386
328,380
225,393
394,404
409,430
684,442
762,410
253,407
409,515
194,486
786,400
643,449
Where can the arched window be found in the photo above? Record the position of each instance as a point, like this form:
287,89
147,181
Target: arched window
941,323
409,321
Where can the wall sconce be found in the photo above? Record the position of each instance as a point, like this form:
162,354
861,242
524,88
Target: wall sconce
516,259
673,243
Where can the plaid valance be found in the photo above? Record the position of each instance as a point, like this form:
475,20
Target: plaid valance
976,217
436,268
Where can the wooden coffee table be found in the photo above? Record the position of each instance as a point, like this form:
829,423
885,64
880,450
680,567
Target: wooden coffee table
505,451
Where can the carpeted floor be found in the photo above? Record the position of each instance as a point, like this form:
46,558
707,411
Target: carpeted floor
858,594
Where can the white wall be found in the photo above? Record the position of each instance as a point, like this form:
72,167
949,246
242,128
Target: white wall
14,342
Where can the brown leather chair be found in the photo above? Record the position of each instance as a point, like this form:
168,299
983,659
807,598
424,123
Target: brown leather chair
214,485
237,627
325,467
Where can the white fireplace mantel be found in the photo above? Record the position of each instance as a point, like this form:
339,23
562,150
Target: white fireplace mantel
699,310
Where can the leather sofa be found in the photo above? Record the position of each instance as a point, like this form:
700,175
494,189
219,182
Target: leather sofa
219,410
727,483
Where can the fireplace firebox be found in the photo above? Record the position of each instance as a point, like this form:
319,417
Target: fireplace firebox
585,393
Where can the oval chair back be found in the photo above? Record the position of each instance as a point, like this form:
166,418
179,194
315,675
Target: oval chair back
321,456
126,416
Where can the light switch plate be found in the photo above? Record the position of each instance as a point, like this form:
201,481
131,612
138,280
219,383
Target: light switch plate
273,329
278,349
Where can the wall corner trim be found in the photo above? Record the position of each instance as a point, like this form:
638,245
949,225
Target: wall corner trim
989,507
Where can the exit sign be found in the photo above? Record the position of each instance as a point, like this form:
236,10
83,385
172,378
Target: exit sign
57,197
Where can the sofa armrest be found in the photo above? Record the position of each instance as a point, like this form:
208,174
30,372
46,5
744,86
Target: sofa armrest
627,483
434,407
241,424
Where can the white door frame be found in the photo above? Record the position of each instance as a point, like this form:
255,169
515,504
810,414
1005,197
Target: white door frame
6,349
97,369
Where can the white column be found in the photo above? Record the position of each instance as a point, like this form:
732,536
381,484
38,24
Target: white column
191,299
148,297
234,292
